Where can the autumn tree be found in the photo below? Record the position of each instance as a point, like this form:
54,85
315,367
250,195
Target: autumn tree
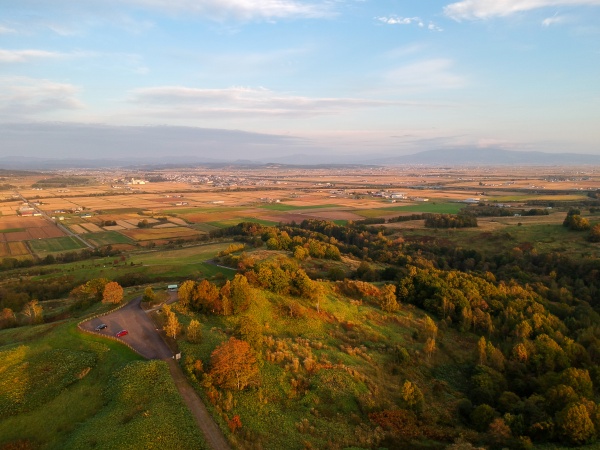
7,318
184,293
233,364
250,331
429,347
172,327
594,233
388,300
240,293
149,295
113,293
574,424
205,296
430,328
194,332
412,395
92,290
33,312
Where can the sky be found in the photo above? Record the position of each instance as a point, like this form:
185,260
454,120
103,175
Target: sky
338,79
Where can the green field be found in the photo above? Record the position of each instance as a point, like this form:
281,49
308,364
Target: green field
284,207
13,230
108,237
232,222
204,227
52,245
63,389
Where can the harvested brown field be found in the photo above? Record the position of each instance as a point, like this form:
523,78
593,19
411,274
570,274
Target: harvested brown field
125,224
166,225
77,229
52,231
17,249
114,228
91,227
4,251
17,236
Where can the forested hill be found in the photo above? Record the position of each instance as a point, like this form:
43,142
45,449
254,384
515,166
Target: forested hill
531,374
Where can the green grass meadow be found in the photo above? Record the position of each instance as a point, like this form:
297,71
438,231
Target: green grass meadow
54,245
63,389
108,238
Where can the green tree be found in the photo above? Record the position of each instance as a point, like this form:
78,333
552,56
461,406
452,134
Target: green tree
482,417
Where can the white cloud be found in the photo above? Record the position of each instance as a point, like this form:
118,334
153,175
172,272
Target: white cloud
19,56
241,9
396,20
22,97
431,74
6,30
485,9
241,101
553,20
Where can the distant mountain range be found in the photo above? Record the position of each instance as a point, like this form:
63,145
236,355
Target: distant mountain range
441,157
489,156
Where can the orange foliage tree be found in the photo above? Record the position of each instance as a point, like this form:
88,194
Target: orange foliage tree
113,293
233,364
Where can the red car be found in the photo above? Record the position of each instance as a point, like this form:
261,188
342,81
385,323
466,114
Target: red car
122,333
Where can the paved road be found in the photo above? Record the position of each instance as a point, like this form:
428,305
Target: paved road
144,338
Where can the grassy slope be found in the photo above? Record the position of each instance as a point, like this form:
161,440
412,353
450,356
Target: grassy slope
333,400
65,389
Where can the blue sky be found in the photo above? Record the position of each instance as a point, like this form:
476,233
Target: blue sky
323,77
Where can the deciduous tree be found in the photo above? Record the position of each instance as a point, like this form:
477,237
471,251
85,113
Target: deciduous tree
194,332
233,364
388,300
184,293
172,326
149,295
113,293
33,312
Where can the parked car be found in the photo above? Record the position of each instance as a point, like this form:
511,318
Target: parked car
102,326
122,333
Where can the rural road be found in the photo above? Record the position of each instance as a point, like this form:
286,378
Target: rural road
145,339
